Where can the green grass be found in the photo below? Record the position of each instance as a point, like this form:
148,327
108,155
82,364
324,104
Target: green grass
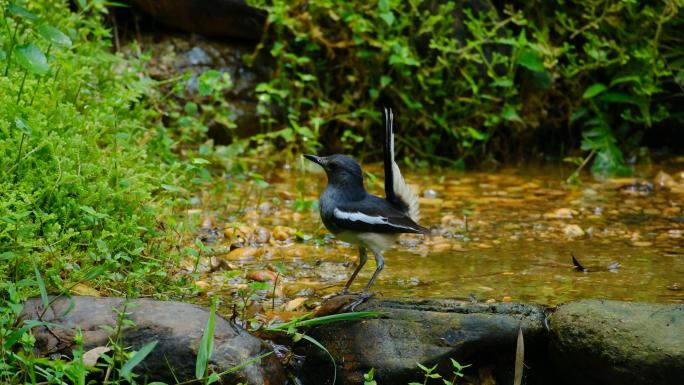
86,178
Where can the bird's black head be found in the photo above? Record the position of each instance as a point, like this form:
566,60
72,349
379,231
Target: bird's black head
343,171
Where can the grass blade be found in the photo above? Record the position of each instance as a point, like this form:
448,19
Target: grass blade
41,284
137,358
301,322
318,344
207,343
519,359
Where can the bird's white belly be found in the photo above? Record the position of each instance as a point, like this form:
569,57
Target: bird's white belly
377,242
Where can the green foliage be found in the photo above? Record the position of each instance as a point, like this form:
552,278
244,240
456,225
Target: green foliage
466,77
368,377
81,179
431,374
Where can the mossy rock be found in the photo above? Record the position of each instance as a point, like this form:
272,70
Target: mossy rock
612,342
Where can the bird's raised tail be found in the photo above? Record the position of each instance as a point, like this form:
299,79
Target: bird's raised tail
396,189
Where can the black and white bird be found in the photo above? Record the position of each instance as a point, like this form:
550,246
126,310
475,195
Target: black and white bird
355,216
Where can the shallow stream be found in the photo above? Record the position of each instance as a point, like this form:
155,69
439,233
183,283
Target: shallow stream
504,236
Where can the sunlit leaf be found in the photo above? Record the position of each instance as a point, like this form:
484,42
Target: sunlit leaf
509,113
54,36
41,284
206,344
531,61
593,90
31,59
519,359
21,125
477,135
137,358
22,12
7,256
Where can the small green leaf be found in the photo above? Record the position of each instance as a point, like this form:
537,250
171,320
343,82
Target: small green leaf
7,256
531,61
22,126
31,59
503,83
385,81
172,188
206,344
54,36
477,135
22,12
3,55
137,358
618,97
594,90
387,17
509,113
41,284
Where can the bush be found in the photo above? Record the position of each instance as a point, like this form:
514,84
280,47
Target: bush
78,185
472,79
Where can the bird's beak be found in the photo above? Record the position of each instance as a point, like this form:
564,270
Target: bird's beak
316,159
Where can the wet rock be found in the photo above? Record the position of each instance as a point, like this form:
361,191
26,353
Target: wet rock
244,254
664,179
282,233
425,331
217,18
561,213
430,193
177,327
611,342
262,275
573,231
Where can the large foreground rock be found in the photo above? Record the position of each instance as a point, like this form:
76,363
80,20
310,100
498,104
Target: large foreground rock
428,332
176,326
611,342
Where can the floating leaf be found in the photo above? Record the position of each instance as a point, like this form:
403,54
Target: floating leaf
54,36
594,90
31,59
22,12
22,126
531,61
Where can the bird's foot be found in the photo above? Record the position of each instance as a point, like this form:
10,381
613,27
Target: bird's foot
360,298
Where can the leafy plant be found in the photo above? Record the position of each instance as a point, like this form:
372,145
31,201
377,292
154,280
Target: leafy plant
368,377
475,82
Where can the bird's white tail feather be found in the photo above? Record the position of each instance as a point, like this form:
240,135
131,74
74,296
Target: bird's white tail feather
405,193
402,190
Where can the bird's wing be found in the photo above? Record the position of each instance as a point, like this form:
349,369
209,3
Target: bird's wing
396,189
374,215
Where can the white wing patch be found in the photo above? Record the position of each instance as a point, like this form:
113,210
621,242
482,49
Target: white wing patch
402,190
368,219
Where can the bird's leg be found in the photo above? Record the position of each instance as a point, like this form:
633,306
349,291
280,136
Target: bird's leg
379,264
362,261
